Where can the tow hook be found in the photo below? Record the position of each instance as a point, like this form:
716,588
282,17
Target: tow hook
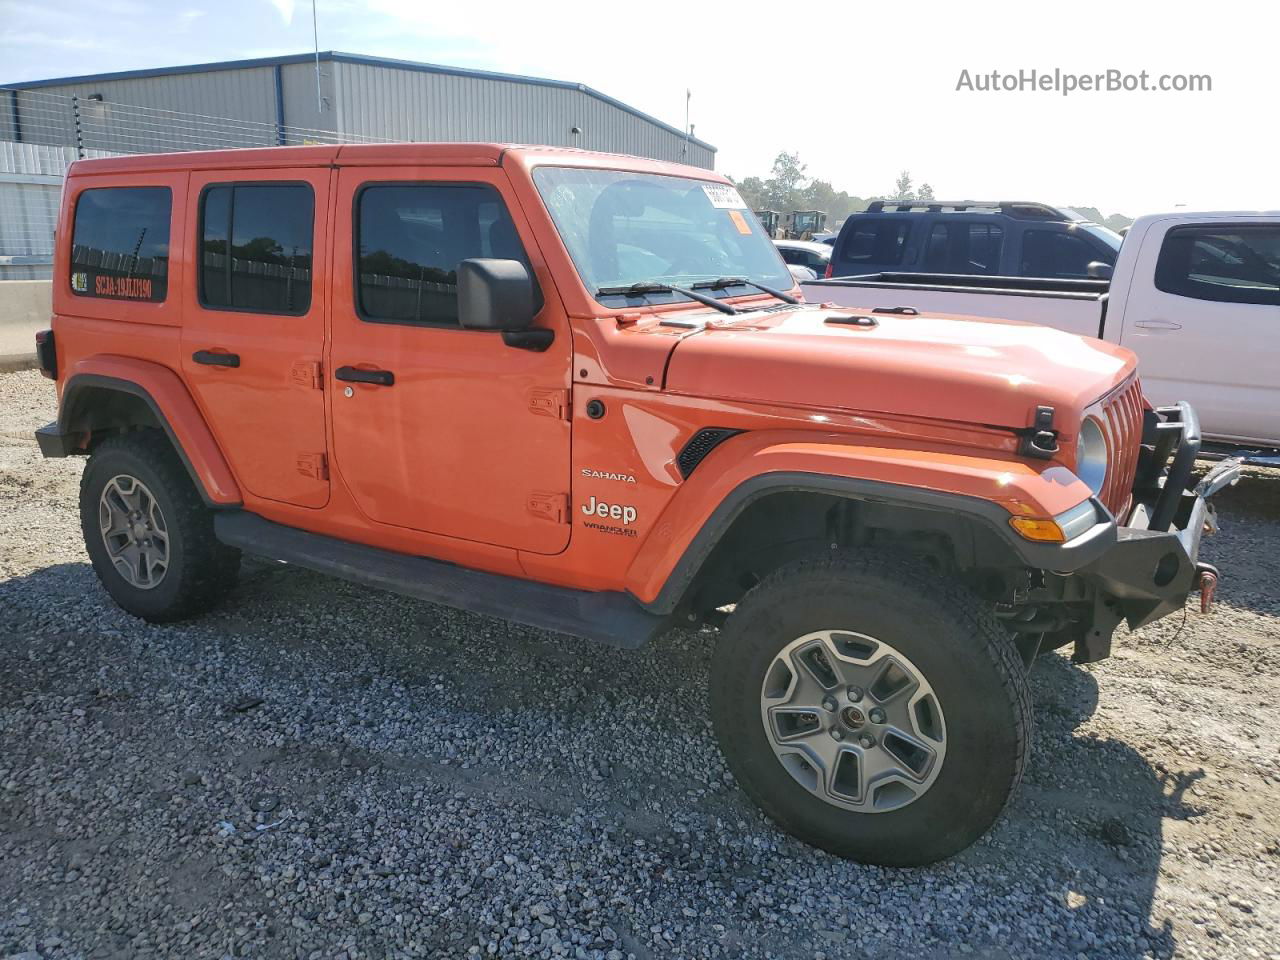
1207,584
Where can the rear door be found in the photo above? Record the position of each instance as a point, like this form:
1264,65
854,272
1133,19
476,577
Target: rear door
254,325
963,245
1208,329
464,436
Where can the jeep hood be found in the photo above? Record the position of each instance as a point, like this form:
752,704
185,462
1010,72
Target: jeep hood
965,369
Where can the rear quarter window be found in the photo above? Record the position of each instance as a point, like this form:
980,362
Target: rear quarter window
1225,264
120,243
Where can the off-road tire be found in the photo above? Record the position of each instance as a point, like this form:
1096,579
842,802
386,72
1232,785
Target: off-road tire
958,646
201,570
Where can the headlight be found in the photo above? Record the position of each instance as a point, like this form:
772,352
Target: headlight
1091,455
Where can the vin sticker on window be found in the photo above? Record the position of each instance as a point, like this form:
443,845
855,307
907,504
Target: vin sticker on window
723,196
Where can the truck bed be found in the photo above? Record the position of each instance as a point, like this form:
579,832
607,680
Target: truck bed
1077,306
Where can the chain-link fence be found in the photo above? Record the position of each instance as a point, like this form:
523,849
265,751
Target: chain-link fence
42,133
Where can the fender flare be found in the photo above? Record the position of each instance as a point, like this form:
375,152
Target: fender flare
986,491
174,409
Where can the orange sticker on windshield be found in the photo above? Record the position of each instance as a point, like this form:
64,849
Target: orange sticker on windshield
739,221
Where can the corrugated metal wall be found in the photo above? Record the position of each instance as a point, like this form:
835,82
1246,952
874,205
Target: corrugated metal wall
145,102
405,104
237,107
377,101
30,191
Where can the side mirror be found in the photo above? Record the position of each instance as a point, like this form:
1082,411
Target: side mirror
1099,270
495,295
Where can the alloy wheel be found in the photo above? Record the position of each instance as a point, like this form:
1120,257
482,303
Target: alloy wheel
853,721
134,531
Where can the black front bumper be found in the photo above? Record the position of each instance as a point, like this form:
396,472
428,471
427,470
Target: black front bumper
1147,574
1152,566
1136,568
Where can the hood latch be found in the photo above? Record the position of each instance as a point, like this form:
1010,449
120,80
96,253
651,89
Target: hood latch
1040,440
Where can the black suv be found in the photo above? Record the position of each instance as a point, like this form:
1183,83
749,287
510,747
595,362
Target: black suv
1007,238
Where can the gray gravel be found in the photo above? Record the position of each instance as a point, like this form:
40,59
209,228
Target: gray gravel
320,771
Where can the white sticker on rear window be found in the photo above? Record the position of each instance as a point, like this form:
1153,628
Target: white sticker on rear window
723,196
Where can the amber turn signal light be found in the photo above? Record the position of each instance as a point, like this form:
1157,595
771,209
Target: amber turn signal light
1043,531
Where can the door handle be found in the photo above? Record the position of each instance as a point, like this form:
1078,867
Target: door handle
1158,325
212,359
380,378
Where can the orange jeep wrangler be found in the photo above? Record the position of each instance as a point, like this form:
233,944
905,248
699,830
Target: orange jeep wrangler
579,392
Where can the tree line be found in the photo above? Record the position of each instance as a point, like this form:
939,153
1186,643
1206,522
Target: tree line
789,188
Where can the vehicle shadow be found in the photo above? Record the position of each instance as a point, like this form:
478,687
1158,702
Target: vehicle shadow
1078,853
1098,807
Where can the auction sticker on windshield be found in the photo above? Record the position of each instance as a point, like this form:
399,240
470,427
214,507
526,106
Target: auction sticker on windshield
723,196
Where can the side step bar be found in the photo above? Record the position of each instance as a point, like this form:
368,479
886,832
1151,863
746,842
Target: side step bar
612,618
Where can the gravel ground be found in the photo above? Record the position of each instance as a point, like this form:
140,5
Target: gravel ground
319,771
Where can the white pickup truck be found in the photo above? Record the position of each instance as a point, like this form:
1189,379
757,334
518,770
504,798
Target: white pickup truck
1195,295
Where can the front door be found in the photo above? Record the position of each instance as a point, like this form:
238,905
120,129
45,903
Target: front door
452,431
253,325
1209,330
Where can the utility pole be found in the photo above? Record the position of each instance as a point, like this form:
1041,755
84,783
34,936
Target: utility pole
315,36
688,130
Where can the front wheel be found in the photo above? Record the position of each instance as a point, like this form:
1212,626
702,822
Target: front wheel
872,708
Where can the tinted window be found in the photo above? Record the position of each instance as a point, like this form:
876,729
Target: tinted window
1226,264
985,243
120,243
1047,253
876,241
410,240
268,227
958,247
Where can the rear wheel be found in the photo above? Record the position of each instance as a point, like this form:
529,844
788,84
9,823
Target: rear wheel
872,708
148,533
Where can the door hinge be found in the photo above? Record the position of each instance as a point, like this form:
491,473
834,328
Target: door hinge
314,465
550,506
550,403
307,373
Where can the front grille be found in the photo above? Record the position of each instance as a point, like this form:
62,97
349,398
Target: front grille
1121,420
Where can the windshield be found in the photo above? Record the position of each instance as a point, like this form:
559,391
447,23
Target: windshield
1105,234
634,228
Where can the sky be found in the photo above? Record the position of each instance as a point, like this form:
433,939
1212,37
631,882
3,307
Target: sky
860,91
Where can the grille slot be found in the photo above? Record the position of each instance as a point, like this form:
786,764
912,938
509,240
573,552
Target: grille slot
699,445
1122,424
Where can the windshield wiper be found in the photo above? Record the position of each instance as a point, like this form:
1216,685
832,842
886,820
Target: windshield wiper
743,281
654,286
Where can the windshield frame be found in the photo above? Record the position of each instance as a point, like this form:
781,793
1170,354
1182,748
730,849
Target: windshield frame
782,279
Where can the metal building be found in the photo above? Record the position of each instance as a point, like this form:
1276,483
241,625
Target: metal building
282,100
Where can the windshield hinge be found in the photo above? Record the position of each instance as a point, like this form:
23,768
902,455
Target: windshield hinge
1040,440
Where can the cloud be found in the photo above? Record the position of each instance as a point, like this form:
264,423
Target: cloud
49,41
285,9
